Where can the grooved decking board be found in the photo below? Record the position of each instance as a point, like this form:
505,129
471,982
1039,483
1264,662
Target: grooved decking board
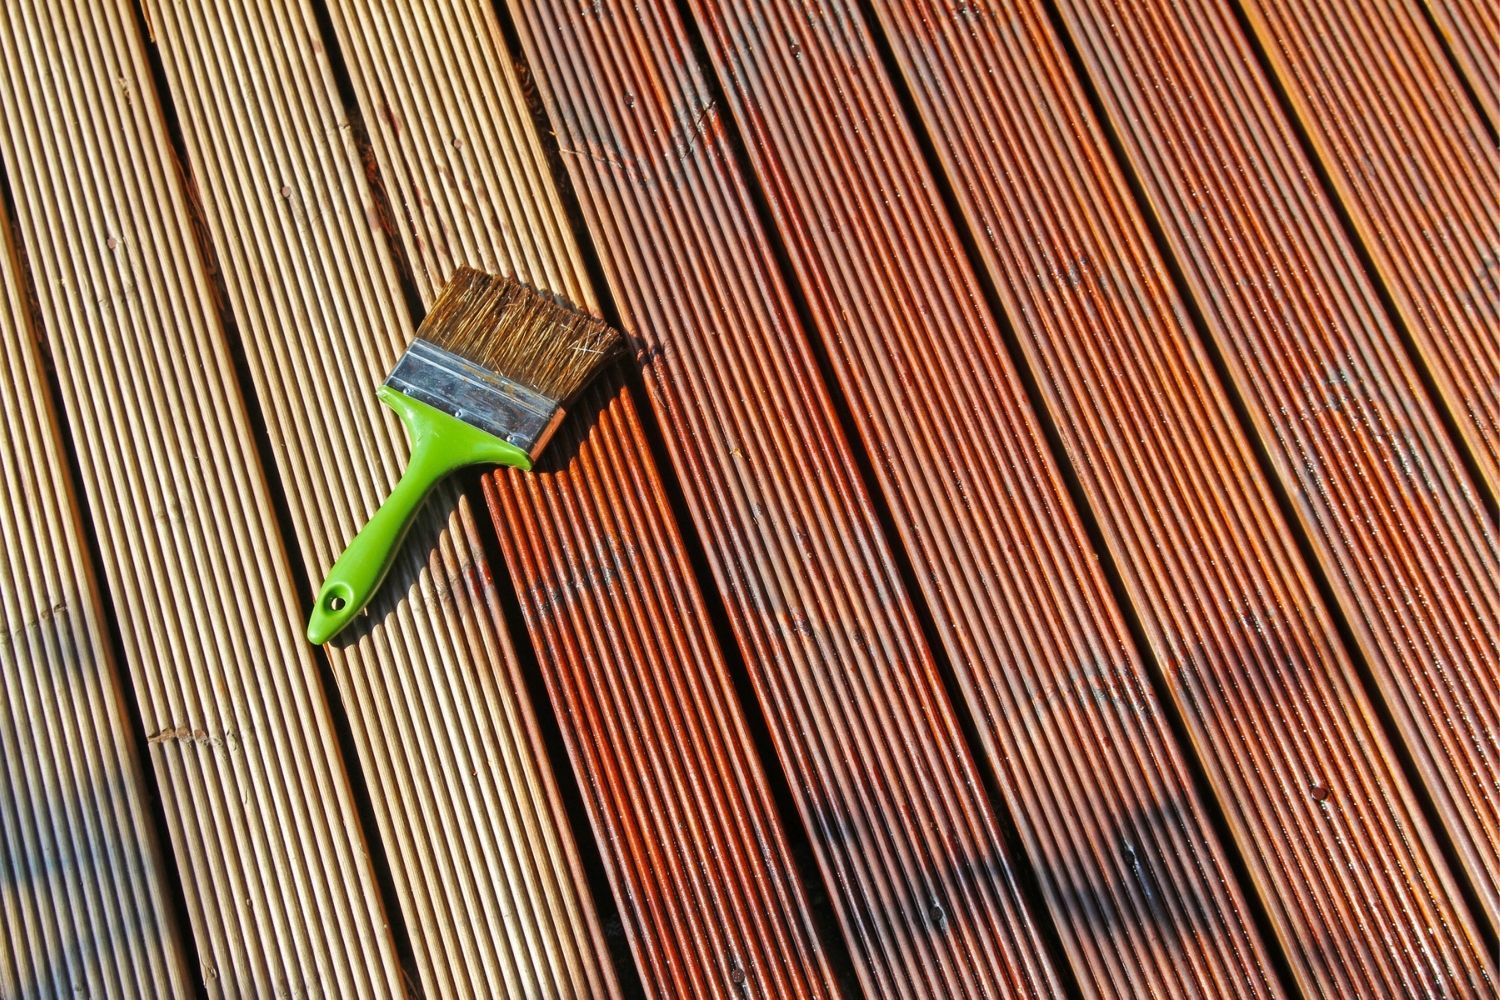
279,891
1395,520
83,890
1138,885
1360,898
484,865
710,900
1472,28
899,822
1412,163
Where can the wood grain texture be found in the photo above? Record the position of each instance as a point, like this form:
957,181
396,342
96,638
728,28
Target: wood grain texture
1472,29
1421,180
484,865
260,818
1138,885
1309,783
677,798
902,829
1412,163
1396,521
83,888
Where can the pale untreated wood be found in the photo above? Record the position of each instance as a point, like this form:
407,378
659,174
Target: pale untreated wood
484,866
83,890
279,890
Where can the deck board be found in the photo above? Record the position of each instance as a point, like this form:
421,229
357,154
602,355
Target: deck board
903,833
1136,880
279,890
1472,30
679,805
1393,516
1412,163
1314,794
479,847
83,888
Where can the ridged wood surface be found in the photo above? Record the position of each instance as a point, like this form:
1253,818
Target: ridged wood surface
1309,783
1137,882
84,892
259,814
1472,30
697,858
479,848
699,554
1411,161
1399,525
902,830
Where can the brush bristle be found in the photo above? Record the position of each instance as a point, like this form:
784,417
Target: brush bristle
517,332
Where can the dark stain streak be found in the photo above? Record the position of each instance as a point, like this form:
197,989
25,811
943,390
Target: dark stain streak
705,127
388,115
611,561
1485,296
46,869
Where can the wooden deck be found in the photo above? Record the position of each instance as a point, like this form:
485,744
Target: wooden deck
1045,543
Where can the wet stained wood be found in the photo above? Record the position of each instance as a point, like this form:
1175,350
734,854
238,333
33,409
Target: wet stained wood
1472,31
1421,179
1312,789
902,831
1414,166
1394,517
1137,882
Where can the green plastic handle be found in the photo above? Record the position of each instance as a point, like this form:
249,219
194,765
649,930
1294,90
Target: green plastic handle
439,445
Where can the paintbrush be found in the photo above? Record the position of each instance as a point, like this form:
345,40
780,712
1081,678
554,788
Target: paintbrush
486,382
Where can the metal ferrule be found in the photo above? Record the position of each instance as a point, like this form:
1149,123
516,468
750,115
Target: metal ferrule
476,395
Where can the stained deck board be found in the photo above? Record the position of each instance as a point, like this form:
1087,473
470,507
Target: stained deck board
1414,166
1393,516
1137,882
84,892
904,836
694,851
1313,791
480,851
279,891
1472,31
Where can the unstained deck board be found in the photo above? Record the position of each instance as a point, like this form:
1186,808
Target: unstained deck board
84,892
280,892
480,850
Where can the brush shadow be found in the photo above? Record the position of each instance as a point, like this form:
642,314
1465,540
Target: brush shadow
466,583
404,585
582,416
